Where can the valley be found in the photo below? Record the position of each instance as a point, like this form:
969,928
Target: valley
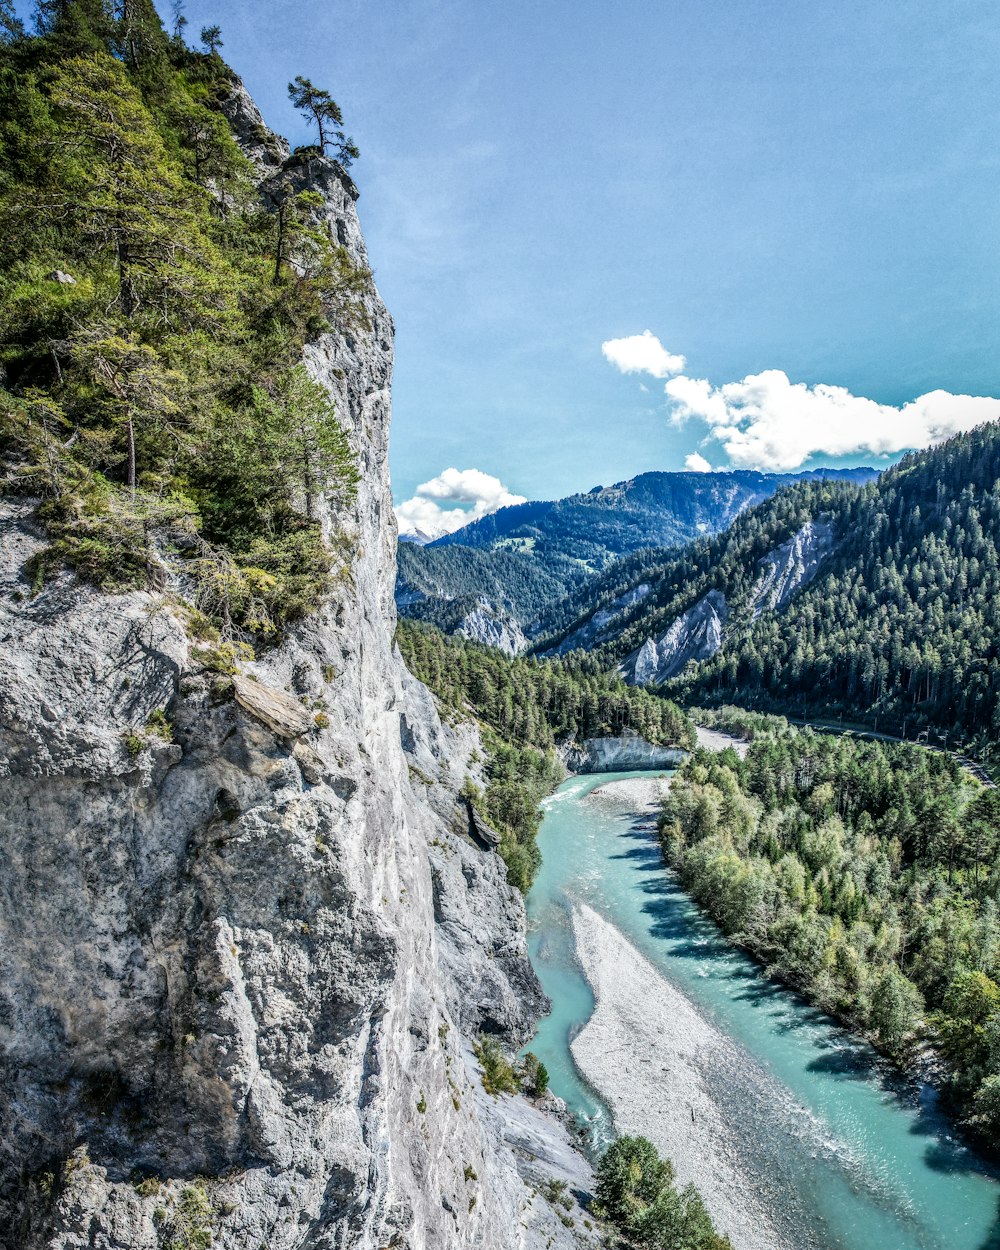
444,869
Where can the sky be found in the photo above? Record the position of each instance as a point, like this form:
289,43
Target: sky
650,235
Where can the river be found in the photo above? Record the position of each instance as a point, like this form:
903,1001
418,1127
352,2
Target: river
797,1133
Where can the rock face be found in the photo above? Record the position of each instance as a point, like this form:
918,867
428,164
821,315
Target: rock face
603,624
605,755
695,635
789,567
493,627
241,968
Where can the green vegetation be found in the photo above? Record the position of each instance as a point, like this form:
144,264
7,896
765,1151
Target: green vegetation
453,579
679,578
636,1194
498,1072
190,1225
525,707
902,622
864,873
153,322
899,627
534,1075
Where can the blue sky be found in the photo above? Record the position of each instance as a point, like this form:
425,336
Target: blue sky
771,187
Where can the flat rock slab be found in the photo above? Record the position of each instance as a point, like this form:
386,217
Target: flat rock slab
279,711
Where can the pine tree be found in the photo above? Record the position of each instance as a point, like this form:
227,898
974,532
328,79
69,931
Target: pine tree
327,118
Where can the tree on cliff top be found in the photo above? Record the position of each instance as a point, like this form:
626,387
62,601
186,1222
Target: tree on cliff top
326,116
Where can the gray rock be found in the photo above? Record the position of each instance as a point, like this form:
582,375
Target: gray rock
790,566
695,635
279,711
493,627
604,755
240,970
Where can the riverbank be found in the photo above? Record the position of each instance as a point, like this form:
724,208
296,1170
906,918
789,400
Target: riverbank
646,1050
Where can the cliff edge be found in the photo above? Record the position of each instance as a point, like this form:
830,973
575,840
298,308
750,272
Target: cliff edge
245,943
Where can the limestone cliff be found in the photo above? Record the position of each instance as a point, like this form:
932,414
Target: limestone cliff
695,635
241,968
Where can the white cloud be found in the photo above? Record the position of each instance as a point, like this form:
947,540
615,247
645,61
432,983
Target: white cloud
642,353
424,515
767,421
697,464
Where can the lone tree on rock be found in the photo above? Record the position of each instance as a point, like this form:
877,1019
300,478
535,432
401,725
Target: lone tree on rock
327,117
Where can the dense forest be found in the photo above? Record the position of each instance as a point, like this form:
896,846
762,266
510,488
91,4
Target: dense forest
525,708
866,874
154,303
899,625
901,622
440,585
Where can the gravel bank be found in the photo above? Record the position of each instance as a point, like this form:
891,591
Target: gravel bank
648,1051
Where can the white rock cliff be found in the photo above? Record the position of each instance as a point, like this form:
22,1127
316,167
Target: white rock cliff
241,970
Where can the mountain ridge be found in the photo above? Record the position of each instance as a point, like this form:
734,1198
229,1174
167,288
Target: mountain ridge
502,572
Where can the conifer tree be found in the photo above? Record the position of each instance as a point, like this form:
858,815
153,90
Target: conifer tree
327,118
211,38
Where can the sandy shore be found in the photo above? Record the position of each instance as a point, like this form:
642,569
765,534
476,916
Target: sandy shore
647,1050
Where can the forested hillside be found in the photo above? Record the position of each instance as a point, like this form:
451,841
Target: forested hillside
525,708
865,873
902,622
153,311
442,584
678,579
899,624
526,558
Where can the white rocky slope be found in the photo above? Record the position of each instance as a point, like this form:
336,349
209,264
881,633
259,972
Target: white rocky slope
239,971
791,566
695,635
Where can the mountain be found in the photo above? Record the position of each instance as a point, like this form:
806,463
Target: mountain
876,602
500,573
249,941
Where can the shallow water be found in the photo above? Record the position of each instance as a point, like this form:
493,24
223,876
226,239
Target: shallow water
846,1155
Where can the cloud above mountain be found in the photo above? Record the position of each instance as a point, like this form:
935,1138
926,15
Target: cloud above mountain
475,493
767,421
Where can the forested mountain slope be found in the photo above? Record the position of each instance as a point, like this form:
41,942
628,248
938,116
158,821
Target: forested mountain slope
895,618
524,558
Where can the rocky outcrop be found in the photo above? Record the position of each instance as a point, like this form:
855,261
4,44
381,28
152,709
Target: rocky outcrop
244,937
695,635
791,566
604,623
493,627
605,755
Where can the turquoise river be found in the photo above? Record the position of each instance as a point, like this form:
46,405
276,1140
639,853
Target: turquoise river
847,1156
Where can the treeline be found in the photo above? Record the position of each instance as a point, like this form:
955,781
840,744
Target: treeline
153,311
526,707
864,873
